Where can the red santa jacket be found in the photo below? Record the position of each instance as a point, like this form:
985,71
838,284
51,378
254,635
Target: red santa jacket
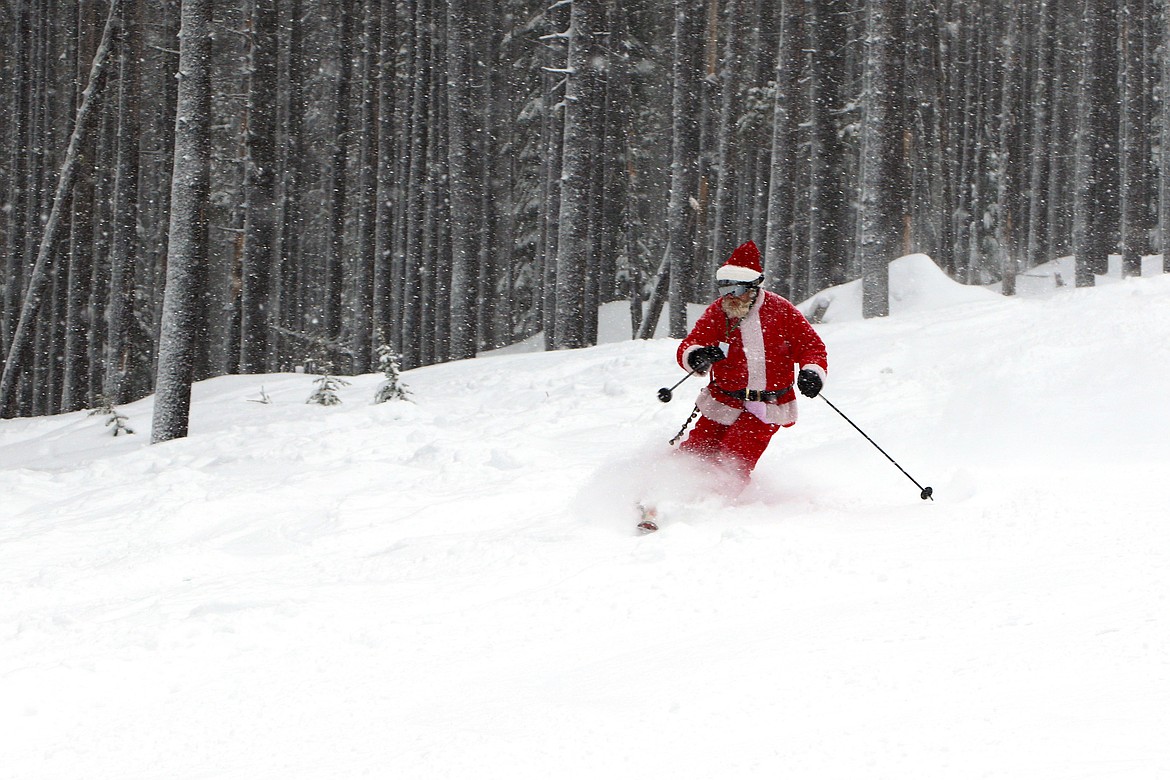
762,351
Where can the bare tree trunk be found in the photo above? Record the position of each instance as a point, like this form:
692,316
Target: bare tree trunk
123,239
1005,160
828,212
721,243
387,196
1042,114
658,297
583,103
183,319
408,293
1096,135
1164,138
336,184
18,90
497,166
879,222
362,265
922,107
552,136
73,356
1135,121
432,312
778,255
464,185
259,191
1062,97
681,217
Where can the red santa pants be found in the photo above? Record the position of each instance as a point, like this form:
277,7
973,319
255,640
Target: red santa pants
736,447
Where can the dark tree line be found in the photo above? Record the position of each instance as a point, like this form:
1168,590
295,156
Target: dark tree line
304,182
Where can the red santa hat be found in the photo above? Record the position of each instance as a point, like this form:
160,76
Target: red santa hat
742,266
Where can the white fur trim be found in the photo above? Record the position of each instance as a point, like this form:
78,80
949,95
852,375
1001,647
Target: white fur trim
752,334
714,410
737,273
687,353
782,414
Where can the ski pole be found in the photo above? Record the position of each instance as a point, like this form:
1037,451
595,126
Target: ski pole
666,393
927,492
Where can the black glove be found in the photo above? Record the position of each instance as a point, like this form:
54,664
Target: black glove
702,358
809,382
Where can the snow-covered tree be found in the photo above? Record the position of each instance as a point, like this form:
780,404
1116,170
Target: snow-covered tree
115,420
392,389
325,389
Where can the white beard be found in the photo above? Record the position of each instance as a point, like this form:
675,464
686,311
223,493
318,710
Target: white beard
736,309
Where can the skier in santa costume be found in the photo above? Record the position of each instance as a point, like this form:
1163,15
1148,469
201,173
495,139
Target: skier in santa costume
749,340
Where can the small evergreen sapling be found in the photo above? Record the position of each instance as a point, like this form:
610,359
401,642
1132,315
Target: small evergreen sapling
392,389
327,385
113,416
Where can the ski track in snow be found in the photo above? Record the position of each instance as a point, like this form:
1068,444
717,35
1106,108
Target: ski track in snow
451,587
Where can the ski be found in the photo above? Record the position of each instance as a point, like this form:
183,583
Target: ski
649,516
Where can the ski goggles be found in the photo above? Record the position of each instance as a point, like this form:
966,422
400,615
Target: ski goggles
727,287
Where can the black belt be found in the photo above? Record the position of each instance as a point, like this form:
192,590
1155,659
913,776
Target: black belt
767,396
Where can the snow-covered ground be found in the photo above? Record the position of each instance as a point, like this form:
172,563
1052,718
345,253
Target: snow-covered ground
451,587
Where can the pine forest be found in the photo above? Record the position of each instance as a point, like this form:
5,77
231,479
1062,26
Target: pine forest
192,188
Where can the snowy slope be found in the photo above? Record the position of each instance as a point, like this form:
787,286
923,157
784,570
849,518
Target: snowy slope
450,587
